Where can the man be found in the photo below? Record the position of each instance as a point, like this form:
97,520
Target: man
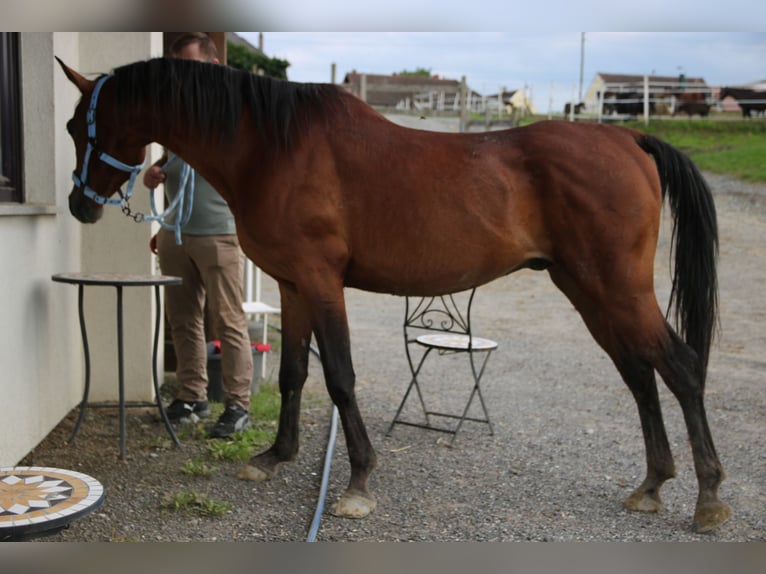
211,264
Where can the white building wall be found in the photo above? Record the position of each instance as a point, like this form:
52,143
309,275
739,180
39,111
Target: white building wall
40,346
118,244
591,95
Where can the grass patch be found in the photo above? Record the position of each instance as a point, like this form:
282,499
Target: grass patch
198,467
264,414
735,147
194,503
265,405
241,446
727,146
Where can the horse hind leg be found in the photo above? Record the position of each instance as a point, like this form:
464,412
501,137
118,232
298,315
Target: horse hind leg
623,335
631,329
639,377
681,370
640,350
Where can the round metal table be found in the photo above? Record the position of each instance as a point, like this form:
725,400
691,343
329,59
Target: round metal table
120,281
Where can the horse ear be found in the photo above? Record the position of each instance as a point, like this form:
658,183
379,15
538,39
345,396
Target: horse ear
83,84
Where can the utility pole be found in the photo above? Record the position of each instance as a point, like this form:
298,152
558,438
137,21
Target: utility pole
582,63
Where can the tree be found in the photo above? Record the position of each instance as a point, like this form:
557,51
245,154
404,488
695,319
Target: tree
419,72
246,59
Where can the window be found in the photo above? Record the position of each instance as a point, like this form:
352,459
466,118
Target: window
10,119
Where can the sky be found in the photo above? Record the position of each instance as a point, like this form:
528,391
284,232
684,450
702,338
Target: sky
546,63
455,38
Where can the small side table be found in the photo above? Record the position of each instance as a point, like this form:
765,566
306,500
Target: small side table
119,281
36,500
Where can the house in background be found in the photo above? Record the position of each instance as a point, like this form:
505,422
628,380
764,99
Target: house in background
40,344
515,101
660,87
390,92
397,92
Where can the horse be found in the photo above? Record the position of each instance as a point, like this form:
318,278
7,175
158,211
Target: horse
749,100
691,108
578,108
328,194
691,103
629,103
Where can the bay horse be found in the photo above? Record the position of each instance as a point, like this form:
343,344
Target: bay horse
328,194
691,103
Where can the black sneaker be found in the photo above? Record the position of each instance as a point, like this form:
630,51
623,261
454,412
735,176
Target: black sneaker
187,411
233,419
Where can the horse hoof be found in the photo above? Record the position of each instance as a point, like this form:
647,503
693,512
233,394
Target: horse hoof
254,473
353,505
710,515
643,502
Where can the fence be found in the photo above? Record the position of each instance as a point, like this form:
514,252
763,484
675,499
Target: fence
497,111
659,100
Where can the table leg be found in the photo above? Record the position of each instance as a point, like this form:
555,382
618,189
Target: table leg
158,398
86,350
121,372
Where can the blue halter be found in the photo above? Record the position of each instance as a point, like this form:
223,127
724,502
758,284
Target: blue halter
82,179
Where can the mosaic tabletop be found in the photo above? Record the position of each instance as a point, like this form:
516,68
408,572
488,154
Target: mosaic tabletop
36,499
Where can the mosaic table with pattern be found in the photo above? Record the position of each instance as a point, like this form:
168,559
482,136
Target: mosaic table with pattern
36,500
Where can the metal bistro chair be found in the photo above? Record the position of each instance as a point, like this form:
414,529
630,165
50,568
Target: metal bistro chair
446,329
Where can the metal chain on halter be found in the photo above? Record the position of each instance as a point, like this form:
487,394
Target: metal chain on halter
136,216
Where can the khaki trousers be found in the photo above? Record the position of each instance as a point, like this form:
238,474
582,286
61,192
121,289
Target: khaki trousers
212,269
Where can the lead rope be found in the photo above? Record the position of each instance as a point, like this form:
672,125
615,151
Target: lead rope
180,207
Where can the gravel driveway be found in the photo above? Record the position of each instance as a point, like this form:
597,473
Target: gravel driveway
567,446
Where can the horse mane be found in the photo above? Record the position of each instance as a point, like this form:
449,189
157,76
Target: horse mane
212,97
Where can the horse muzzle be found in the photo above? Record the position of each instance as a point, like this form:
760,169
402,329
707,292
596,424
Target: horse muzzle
83,209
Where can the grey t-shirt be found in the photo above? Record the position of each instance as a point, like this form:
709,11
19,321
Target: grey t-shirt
210,213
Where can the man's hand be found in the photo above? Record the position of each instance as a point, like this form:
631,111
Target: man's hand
154,176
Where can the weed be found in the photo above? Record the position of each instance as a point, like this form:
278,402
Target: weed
159,443
242,445
264,413
265,405
197,467
194,503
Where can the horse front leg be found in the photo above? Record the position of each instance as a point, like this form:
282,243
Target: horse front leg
331,329
293,370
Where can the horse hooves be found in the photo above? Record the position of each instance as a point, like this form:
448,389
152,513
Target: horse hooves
255,473
354,505
710,515
643,502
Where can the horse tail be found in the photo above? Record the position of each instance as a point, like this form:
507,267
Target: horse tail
694,244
